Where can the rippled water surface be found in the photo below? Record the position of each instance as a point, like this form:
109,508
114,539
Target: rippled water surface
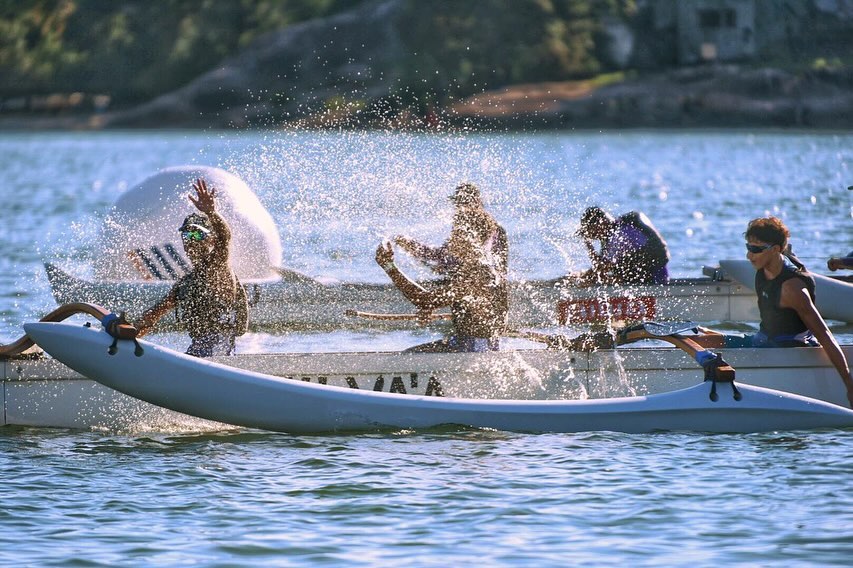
434,498
440,497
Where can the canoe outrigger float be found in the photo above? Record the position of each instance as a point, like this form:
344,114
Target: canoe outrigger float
376,389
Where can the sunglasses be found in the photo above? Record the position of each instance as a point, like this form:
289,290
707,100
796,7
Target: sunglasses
757,249
193,235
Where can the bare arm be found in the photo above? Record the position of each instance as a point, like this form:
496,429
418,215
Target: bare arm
601,271
835,263
205,201
422,298
420,251
796,297
153,314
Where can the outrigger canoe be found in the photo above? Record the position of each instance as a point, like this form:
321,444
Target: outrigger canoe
213,391
297,302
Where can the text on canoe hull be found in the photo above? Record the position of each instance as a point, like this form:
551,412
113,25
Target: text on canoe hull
392,384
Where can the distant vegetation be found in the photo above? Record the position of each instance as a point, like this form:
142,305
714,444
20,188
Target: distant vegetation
80,54
133,50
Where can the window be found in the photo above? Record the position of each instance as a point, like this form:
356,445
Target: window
714,19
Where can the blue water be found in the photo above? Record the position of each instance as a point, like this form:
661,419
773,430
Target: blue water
445,497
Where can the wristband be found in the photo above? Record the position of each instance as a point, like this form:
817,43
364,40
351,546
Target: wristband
388,266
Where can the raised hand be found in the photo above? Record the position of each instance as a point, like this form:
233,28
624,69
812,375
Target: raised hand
205,196
385,256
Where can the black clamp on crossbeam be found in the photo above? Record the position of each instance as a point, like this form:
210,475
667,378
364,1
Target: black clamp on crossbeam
717,371
119,328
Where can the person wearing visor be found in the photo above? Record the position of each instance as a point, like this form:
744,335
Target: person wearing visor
209,301
468,202
786,296
474,261
632,250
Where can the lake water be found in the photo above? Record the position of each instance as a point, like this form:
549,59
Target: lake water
456,496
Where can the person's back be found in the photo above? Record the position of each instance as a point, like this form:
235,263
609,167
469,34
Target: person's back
637,250
479,282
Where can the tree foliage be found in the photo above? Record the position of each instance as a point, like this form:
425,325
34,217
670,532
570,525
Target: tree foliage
465,47
134,50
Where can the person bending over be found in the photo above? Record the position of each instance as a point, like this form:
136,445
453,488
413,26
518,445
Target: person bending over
631,250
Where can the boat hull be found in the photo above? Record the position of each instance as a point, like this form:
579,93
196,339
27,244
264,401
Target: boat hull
44,392
299,303
212,391
833,297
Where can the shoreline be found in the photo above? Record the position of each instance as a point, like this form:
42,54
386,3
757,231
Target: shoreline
720,97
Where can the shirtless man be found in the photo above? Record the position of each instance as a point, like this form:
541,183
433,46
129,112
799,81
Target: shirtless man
474,260
208,301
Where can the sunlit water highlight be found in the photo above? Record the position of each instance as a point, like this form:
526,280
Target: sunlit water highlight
176,494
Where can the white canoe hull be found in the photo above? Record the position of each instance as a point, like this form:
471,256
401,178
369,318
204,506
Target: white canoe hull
45,392
212,391
833,297
305,304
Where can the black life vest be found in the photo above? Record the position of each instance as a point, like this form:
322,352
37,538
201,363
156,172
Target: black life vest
779,322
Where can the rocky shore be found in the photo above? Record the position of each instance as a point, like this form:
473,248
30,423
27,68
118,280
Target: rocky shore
354,78
700,97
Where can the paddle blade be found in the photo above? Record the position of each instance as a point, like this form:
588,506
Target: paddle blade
663,329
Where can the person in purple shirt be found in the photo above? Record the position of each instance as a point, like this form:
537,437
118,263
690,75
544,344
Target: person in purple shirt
632,251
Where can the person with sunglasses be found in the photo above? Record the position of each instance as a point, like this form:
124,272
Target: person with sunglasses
786,295
209,300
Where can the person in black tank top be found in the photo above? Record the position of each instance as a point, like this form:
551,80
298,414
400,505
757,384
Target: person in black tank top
786,294
783,326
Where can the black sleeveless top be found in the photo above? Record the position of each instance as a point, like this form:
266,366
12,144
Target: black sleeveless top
779,322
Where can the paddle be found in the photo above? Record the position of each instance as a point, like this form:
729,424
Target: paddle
294,277
658,329
715,368
424,318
